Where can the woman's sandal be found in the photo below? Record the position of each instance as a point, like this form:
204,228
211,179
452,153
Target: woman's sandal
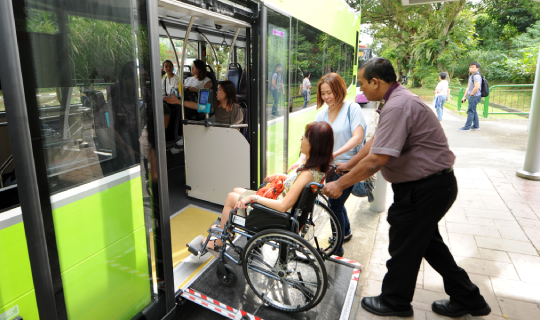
215,225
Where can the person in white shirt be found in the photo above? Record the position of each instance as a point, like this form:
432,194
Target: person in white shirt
306,89
199,79
171,80
442,92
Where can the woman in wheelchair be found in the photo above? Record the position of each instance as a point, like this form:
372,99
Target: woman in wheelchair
317,144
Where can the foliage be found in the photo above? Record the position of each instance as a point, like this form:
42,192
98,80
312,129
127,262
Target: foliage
422,40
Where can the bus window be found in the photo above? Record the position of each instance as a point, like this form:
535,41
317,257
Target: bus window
86,68
9,198
166,51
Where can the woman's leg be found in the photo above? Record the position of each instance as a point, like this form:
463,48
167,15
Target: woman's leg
338,207
230,203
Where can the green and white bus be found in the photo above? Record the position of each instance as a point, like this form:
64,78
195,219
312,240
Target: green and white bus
97,198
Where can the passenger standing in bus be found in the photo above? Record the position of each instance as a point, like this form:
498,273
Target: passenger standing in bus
306,88
349,127
275,86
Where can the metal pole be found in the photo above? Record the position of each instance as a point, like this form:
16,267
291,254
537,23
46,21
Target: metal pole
531,169
21,144
230,54
264,87
164,224
379,193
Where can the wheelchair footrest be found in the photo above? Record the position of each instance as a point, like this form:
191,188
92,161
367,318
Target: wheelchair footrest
196,245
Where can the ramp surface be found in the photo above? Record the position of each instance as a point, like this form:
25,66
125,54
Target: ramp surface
240,296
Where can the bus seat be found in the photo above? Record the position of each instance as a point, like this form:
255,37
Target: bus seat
241,93
235,71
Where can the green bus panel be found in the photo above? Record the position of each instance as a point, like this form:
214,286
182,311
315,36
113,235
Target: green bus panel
16,285
103,253
331,16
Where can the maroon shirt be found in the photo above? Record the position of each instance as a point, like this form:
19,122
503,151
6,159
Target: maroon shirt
411,134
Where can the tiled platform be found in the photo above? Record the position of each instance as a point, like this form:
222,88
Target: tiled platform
493,231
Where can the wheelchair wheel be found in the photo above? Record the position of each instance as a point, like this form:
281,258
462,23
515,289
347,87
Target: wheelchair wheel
284,270
325,227
228,279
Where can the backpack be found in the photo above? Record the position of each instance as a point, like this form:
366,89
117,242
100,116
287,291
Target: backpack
484,87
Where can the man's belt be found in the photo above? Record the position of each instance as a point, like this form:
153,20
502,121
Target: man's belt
439,173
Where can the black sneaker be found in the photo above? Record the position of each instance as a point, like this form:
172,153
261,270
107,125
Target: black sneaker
376,306
451,309
473,128
464,129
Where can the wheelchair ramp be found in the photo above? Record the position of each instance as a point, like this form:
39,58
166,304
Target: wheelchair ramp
240,302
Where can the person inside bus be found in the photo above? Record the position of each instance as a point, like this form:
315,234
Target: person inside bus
198,81
349,127
227,110
317,144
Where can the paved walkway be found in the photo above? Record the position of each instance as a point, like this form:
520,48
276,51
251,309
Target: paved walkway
493,228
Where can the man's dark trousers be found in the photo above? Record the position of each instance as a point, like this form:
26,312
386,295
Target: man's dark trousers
414,233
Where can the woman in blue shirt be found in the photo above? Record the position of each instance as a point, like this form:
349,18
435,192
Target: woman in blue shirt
349,125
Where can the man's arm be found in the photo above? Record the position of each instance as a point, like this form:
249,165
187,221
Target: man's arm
356,159
365,169
476,88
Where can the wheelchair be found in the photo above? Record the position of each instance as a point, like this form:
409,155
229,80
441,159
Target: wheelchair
283,259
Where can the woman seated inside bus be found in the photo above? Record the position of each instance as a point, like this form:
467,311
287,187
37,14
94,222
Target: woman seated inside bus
227,110
317,144
198,81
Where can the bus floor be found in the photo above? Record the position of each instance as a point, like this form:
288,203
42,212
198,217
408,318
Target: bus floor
240,296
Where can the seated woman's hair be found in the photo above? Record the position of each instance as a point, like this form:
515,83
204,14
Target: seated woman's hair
321,140
230,91
337,85
201,66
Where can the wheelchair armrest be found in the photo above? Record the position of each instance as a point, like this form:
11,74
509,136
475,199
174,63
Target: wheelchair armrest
257,206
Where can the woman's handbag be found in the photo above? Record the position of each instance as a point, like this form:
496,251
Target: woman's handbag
272,189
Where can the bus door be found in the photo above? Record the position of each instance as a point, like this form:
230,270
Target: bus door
89,199
217,156
275,114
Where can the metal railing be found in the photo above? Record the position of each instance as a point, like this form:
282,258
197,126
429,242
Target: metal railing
516,100
502,99
460,96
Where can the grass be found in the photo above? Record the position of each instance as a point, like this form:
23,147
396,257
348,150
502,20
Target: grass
427,94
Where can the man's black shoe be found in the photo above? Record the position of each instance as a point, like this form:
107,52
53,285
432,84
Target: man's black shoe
340,253
375,306
452,309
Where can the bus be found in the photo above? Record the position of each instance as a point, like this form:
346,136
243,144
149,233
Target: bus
97,198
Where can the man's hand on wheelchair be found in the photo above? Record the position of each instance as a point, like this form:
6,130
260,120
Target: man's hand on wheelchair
342,167
332,190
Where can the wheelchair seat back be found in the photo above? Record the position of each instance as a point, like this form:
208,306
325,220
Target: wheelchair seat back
263,218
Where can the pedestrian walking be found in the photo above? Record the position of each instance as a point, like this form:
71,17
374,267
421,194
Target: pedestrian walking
475,88
306,89
276,87
349,126
442,92
412,152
